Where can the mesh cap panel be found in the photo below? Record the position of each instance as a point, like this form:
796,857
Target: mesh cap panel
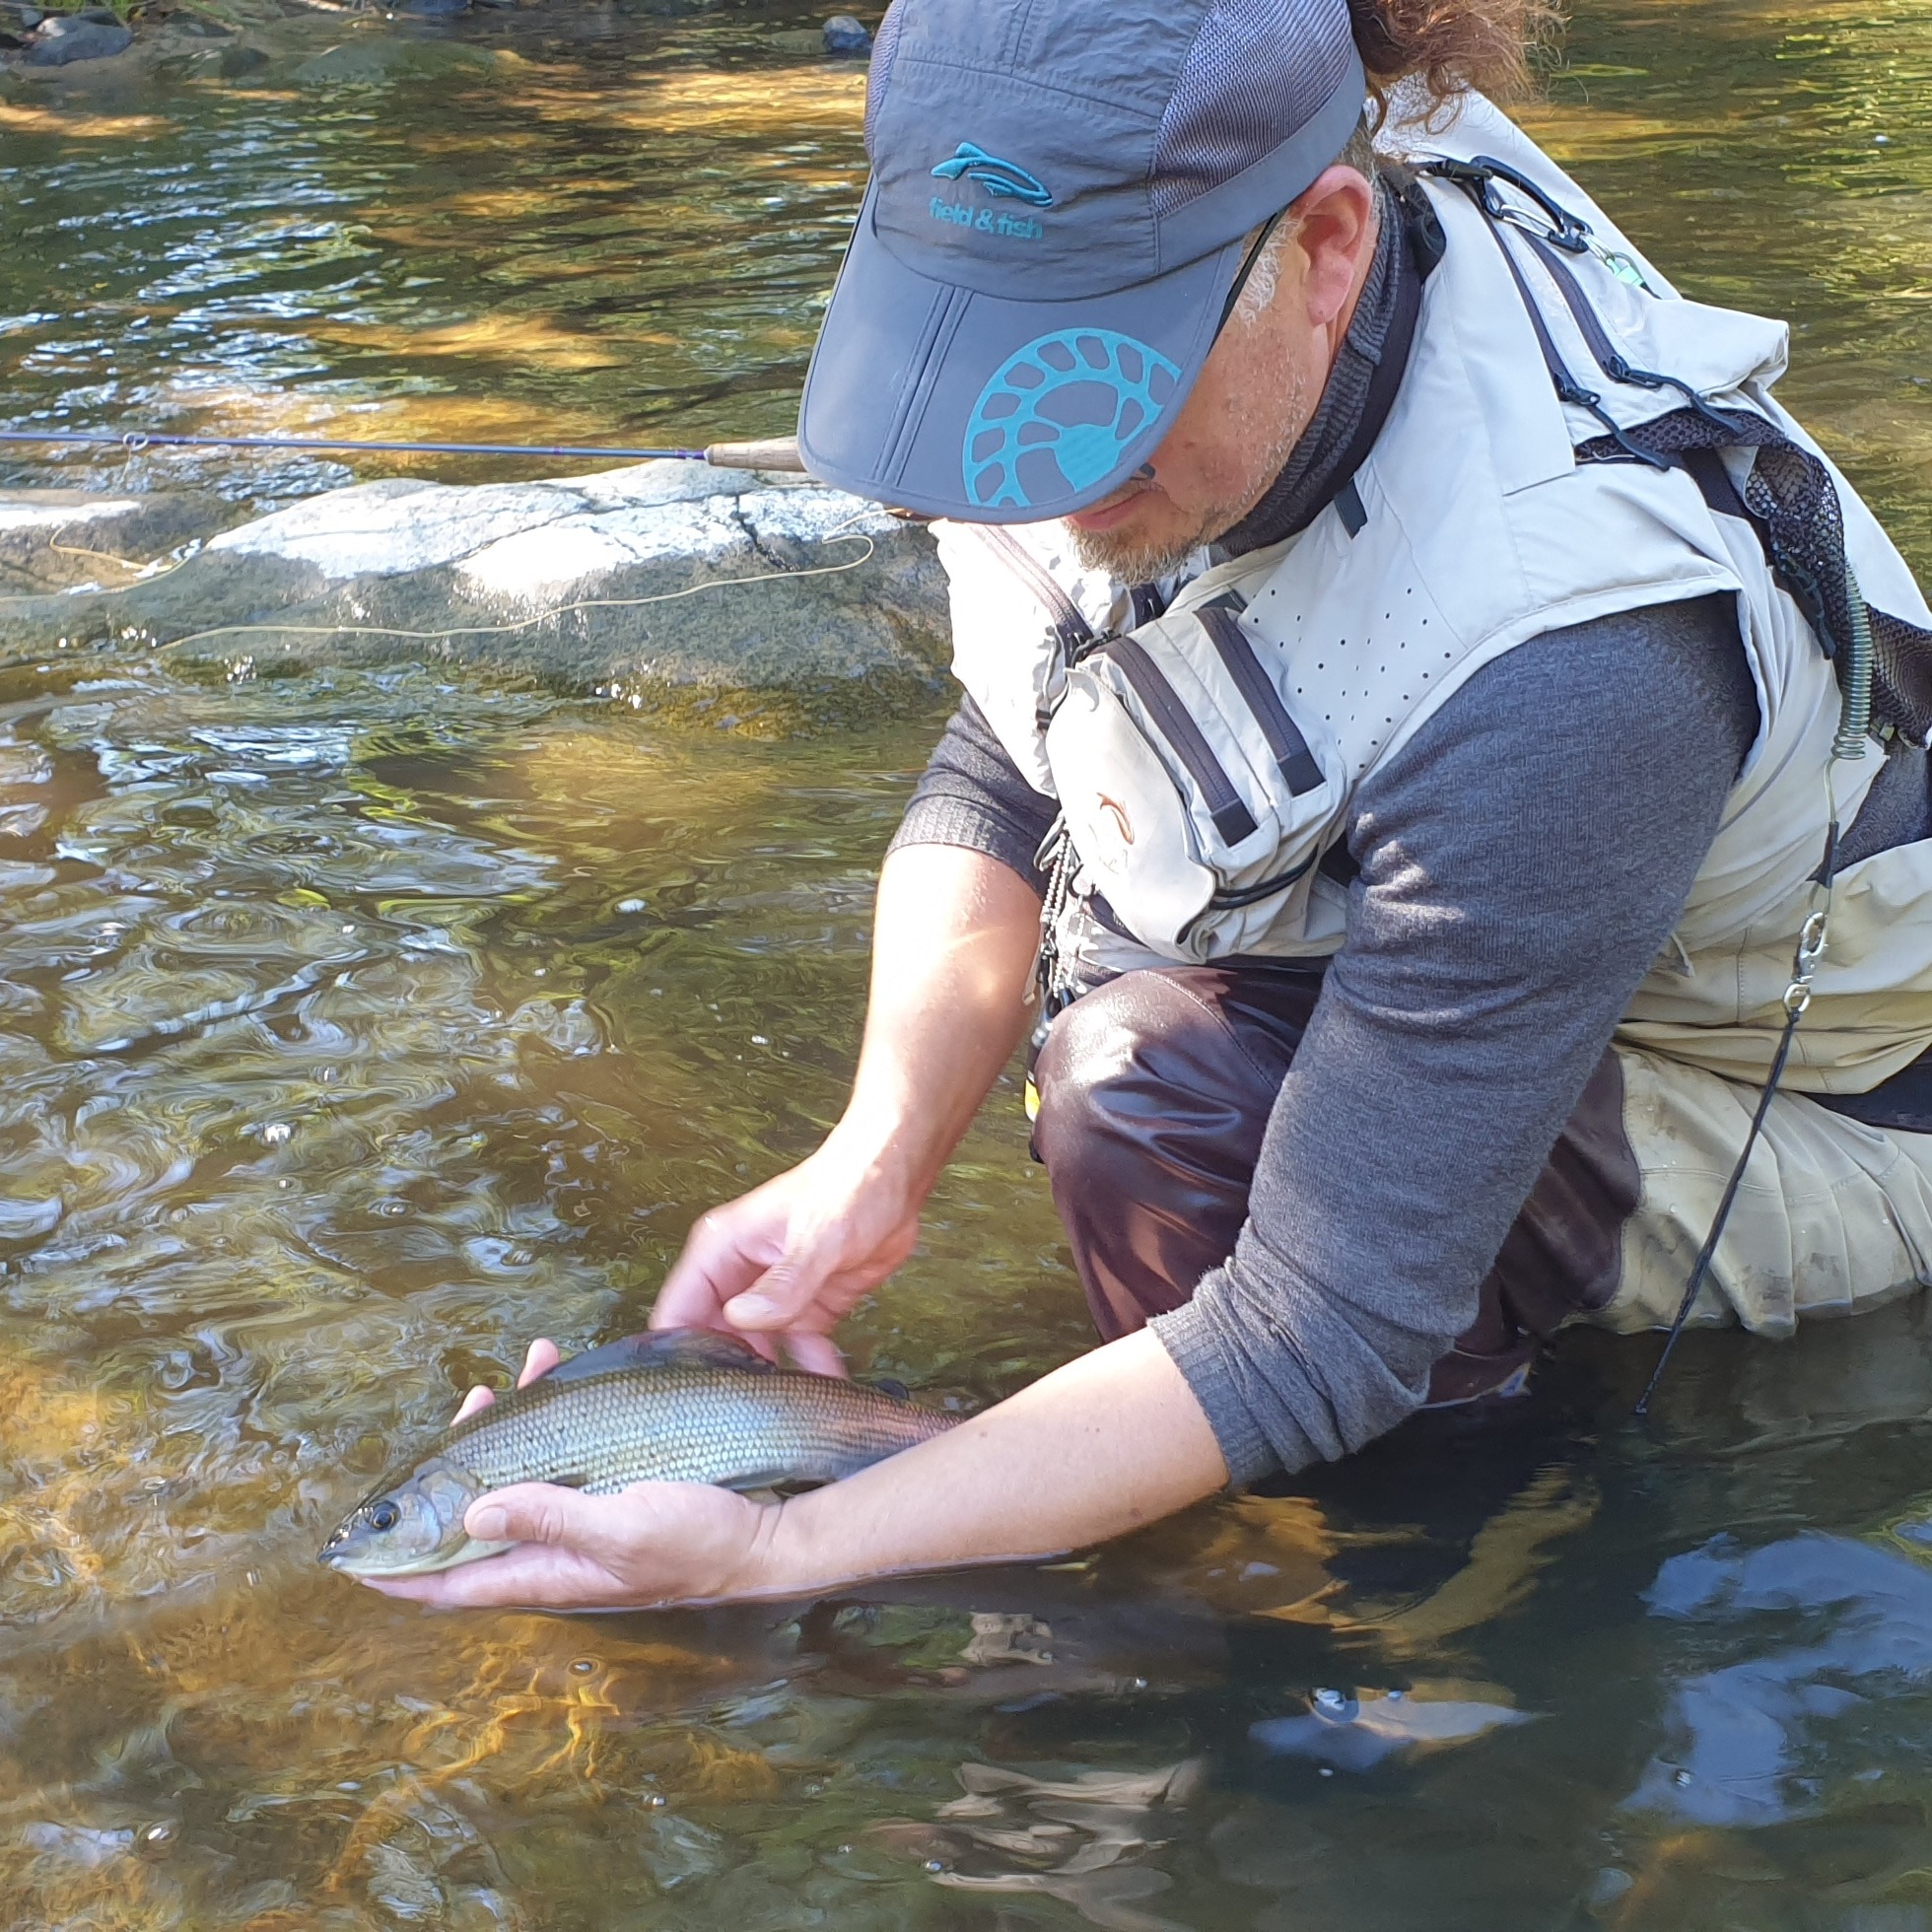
885,43
1238,96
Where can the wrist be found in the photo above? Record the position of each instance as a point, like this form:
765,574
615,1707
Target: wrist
779,1559
873,1150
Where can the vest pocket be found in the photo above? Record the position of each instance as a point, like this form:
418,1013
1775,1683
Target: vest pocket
1194,799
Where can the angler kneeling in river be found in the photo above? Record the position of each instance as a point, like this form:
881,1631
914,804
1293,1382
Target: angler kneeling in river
1444,739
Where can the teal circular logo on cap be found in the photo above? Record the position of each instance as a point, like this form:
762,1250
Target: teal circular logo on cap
1058,414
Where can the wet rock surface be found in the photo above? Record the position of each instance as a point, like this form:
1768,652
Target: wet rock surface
62,539
59,41
659,575
847,36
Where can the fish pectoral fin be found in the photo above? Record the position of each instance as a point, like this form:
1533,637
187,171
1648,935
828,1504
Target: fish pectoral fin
575,1480
662,1348
770,1486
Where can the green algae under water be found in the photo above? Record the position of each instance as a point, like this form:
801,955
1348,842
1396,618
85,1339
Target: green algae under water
355,1026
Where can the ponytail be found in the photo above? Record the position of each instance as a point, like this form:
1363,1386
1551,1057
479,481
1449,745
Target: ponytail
1449,46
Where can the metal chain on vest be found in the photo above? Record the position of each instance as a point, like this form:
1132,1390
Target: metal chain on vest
1056,858
1854,720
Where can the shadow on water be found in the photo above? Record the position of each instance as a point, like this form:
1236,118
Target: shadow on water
352,1028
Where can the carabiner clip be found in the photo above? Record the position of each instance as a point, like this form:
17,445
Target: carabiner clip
1571,232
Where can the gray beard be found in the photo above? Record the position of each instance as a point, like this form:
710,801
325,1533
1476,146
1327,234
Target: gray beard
1132,560
1128,561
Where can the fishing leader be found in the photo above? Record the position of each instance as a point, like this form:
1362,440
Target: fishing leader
1443,743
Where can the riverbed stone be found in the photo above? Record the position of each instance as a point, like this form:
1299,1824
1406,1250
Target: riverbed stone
384,60
631,582
68,37
847,36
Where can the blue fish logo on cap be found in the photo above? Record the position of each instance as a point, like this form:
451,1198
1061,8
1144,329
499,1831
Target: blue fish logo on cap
996,177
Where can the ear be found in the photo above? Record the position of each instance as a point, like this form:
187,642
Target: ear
1335,229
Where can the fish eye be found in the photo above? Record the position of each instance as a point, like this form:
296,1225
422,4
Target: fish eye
383,1515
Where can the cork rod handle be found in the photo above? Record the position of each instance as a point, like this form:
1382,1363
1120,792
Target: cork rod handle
780,453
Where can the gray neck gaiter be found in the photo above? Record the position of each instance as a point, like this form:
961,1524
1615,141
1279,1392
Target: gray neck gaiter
1308,480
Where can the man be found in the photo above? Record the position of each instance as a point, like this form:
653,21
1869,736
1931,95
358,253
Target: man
1447,822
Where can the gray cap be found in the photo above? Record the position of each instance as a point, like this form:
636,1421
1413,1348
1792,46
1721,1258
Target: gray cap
1058,197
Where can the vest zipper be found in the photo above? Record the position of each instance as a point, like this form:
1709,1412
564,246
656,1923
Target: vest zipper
1597,337
1232,819
1300,771
1070,625
1473,179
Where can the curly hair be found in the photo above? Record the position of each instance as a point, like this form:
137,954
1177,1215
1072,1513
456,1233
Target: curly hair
1448,46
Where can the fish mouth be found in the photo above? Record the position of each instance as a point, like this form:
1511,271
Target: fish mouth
344,1562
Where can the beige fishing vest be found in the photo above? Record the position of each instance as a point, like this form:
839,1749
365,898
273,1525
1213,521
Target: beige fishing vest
1205,764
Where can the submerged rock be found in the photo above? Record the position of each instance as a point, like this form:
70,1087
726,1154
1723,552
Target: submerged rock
846,36
629,582
67,38
383,60
1354,1734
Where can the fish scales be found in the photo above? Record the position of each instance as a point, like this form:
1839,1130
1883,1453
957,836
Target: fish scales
678,1425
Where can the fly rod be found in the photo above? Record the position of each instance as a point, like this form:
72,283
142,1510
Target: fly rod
774,453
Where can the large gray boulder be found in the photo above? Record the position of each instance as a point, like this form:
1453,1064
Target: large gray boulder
630,583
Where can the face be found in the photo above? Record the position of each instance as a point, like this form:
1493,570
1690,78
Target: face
1253,399
409,1528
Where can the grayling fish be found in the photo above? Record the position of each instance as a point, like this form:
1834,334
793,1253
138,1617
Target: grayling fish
678,1405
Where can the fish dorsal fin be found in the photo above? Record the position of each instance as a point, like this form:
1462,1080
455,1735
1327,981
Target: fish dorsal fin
662,1348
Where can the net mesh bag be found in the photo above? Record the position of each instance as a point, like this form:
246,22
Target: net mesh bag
1792,501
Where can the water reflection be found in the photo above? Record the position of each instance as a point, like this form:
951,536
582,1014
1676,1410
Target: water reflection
567,228
354,1026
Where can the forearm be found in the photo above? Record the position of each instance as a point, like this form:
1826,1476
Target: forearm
953,954
1107,1444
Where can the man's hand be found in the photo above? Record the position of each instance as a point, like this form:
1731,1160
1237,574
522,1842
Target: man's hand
790,1259
656,1543
952,953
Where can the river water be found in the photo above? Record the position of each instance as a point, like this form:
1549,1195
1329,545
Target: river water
355,1026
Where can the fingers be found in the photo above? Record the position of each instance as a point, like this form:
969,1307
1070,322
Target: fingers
783,1292
594,1527
544,1357
541,1358
724,1254
530,1576
814,1351
478,1400
656,1543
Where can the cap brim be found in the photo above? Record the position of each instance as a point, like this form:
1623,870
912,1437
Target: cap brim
953,403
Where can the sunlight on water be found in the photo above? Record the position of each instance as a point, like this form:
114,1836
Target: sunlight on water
356,1026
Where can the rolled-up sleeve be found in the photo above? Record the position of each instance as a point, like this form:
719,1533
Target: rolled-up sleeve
972,794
